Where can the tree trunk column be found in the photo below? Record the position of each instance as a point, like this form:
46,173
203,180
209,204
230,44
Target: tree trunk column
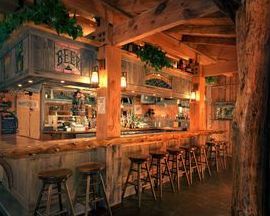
109,94
251,123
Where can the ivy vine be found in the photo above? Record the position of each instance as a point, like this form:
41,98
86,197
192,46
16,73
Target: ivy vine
50,12
153,56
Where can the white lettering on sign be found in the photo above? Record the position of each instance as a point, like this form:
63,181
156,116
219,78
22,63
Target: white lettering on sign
101,105
67,59
28,104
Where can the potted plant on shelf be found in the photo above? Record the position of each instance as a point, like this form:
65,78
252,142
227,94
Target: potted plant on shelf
212,80
50,12
153,57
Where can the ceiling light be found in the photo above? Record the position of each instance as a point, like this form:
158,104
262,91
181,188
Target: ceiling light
30,81
62,81
19,85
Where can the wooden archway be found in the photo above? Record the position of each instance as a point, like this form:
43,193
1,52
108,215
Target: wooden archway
8,171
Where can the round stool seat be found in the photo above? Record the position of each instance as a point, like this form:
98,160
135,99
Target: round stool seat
56,175
174,151
158,154
139,158
90,167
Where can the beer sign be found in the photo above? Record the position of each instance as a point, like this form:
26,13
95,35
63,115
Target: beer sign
67,59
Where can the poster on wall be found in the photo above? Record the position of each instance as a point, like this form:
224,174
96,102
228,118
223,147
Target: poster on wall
224,110
67,59
32,104
101,105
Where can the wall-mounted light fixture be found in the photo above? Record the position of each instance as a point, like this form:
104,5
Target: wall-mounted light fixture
195,94
94,77
124,80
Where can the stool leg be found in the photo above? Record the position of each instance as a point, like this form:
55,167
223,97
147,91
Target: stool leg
105,194
49,199
177,172
127,180
151,183
69,199
185,169
59,196
139,185
159,177
216,159
196,164
39,199
206,162
169,173
190,167
87,192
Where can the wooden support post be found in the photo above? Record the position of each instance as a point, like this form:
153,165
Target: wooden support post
109,93
251,132
197,107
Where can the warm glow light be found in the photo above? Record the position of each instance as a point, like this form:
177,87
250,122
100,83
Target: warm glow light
19,85
123,81
62,81
193,95
94,80
197,96
30,81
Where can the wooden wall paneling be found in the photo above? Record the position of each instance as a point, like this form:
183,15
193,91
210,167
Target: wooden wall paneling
35,117
23,117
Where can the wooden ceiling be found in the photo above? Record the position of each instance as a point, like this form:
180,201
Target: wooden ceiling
189,27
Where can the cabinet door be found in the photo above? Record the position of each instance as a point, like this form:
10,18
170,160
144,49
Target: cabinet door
23,116
34,117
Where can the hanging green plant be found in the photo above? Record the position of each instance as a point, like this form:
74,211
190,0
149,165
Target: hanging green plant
50,12
211,80
153,56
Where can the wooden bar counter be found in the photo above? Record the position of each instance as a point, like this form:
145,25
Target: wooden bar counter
24,158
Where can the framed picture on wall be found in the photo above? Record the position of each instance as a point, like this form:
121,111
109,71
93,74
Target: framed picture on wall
224,110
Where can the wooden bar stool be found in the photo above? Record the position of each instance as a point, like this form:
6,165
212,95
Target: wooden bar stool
52,181
178,166
223,153
94,191
159,160
140,183
191,161
203,160
214,154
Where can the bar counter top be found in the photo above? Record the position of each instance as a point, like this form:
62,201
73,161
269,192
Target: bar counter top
12,146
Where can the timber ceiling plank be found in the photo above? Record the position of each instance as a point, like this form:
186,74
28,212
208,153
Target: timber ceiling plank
165,16
211,30
209,40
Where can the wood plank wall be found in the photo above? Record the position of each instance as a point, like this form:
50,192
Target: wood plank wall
224,91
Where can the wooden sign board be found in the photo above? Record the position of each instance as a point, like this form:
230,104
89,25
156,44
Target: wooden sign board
67,59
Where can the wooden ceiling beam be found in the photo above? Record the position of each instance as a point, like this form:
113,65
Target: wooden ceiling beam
212,30
220,68
166,15
177,49
208,40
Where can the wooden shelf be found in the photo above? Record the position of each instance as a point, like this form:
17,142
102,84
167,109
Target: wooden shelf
169,71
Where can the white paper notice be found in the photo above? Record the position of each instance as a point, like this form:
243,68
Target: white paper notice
101,103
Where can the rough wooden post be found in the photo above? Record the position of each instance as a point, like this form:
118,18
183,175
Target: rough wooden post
197,107
109,93
251,125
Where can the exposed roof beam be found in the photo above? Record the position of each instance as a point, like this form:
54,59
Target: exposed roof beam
220,68
165,16
212,31
175,48
209,21
209,40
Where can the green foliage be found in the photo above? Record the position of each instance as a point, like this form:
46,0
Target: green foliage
211,80
50,12
153,56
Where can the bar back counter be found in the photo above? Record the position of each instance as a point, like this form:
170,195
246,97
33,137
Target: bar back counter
23,158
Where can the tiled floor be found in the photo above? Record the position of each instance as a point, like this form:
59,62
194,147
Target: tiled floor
209,198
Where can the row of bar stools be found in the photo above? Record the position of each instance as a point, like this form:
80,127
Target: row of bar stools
140,163
178,166
191,161
55,179
52,182
94,191
214,154
159,160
